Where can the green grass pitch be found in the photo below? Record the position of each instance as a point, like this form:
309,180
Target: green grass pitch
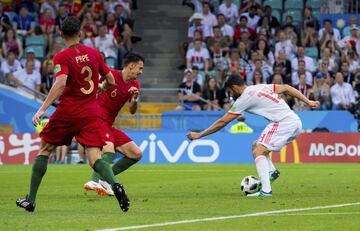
167,193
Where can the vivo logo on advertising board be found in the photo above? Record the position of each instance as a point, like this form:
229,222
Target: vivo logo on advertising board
337,149
156,147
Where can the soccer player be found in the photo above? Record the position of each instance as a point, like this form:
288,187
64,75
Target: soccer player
126,90
77,70
284,126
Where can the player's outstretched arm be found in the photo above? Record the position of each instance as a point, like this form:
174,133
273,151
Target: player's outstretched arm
297,94
54,93
219,124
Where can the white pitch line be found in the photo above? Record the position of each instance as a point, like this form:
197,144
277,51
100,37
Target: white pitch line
229,217
313,214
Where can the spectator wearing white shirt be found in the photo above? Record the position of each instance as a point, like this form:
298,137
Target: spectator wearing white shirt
11,64
253,19
229,9
27,77
226,29
342,94
105,43
329,32
286,45
309,62
295,77
30,55
209,18
196,19
198,56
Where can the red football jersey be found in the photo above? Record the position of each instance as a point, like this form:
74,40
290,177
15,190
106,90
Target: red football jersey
113,100
82,65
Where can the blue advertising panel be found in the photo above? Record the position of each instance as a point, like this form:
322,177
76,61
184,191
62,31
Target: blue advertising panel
161,147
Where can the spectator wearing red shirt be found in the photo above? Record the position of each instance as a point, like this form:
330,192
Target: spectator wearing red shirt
243,25
47,24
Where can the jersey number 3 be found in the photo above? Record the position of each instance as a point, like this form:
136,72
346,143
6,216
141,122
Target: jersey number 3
87,79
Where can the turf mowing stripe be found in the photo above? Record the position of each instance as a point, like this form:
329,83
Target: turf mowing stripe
229,217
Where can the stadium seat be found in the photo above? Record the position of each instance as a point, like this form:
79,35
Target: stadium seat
37,40
312,52
294,4
277,14
275,4
316,14
39,50
296,15
315,4
111,62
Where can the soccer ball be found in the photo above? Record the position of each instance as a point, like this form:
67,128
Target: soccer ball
250,184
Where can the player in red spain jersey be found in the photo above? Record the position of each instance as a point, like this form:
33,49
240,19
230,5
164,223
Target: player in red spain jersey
76,69
126,90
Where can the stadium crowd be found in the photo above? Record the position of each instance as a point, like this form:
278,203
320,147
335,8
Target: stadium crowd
30,36
266,45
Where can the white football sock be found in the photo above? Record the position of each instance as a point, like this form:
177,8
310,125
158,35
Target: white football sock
262,168
270,163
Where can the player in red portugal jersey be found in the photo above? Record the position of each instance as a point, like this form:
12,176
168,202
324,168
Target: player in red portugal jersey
77,71
126,89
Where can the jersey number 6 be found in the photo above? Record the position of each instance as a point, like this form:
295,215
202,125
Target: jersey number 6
87,79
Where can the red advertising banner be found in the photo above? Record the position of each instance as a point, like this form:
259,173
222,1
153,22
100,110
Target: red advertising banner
18,148
321,148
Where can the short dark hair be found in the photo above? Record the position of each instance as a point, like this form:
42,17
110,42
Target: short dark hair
133,58
234,79
71,26
328,20
243,17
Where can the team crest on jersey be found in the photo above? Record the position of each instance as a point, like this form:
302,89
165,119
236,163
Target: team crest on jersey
57,68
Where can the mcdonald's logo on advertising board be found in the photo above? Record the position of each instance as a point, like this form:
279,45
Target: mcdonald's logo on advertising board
321,147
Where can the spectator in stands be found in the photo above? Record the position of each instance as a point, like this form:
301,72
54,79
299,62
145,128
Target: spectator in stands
322,91
258,78
197,36
352,21
212,94
309,62
229,9
309,19
263,50
306,90
10,64
24,23
197,77
197,25
277,79
27,77
209,18
105,43
328,32
47,24
243,52
291,31
55,48
12,44
352,58
265,28
48,77
242,27
285,66
245,38
218,56
88,26
5,24
234,64
309,36
250,67
286,45
226,30
52,5
352,38
349,77
198,56
295,77
218,38
246,5
189,95
328,60
253,19
342,93
30,56
63,13
273,21
126,4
